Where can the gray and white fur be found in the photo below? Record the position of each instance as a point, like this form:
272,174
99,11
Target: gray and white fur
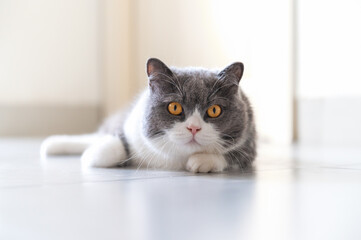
148,135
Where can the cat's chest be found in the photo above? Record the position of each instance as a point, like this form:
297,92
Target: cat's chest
148,158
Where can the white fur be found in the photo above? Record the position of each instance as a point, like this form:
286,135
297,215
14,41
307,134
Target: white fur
206,162
107,151
64,144
98,150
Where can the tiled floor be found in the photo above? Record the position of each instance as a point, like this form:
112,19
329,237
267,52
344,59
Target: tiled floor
298,193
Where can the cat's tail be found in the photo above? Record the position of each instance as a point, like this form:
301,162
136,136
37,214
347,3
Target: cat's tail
67,144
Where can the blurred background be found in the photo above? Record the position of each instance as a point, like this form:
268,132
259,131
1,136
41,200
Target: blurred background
65,65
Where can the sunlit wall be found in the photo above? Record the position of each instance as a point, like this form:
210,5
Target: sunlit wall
329,76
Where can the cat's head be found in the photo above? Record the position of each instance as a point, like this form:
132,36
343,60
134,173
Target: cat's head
195,109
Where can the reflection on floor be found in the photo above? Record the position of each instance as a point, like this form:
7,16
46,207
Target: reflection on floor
293,193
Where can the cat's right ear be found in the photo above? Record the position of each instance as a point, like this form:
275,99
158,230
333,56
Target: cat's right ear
233,72
157,67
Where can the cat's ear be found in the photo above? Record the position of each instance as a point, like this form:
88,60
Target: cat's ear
159,76
157,67
233,72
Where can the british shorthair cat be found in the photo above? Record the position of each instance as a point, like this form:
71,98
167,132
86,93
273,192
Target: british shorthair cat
187,119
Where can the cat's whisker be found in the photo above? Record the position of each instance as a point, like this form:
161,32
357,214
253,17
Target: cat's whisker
161,150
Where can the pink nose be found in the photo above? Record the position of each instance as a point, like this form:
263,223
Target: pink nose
194,129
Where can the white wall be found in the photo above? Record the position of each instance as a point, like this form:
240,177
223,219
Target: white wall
329,80
49,52
93,52
116,54
329,48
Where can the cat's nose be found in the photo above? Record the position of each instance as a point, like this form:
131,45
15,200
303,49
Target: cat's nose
194,129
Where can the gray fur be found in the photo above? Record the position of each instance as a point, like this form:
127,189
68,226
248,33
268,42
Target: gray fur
197,88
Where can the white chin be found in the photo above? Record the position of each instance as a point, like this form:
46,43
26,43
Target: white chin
194,146
189,146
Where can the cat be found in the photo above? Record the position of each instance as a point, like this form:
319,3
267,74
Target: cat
187,119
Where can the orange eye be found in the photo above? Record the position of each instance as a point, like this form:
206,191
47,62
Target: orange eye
175,108
214,111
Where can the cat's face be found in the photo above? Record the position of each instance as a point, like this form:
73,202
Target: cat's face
194,109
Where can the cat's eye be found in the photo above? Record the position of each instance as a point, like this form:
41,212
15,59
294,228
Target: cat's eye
214,111
175,108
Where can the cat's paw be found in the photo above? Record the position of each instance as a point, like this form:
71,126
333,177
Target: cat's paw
106,152
204,162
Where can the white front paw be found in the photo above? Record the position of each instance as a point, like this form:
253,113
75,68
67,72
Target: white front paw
107,152
205,162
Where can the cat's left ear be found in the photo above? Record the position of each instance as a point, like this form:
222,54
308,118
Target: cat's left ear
233,71
156,67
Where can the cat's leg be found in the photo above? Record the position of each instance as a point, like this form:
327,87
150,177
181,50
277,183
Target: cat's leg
107,151
206,162
243,156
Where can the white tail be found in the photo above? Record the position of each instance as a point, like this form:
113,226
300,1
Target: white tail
67,144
